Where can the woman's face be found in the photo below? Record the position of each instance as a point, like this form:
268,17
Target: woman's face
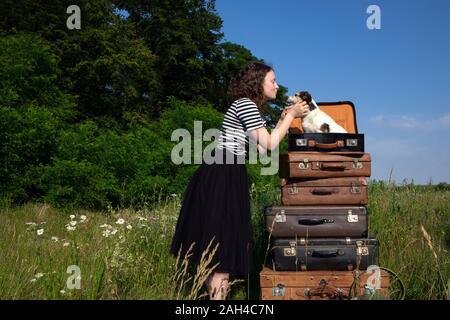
270,86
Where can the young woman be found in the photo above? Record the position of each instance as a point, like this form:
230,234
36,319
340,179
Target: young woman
216,205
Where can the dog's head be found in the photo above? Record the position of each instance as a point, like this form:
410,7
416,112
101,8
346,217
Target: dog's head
305,96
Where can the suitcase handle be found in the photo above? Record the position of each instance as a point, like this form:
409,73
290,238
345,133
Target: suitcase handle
332,166
314,144
324,253
323,191
324,291
314,222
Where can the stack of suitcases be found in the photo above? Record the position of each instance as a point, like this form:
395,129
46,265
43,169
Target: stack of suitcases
320,245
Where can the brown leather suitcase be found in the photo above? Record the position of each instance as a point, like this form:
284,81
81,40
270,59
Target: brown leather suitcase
302,254
323,285
316,221
328,191
324,165
344,114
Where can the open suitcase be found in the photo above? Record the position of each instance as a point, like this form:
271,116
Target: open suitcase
324,285
328,191
344,114
317,221
302,254
312,165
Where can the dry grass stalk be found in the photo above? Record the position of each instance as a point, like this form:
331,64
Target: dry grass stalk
204,270
428,238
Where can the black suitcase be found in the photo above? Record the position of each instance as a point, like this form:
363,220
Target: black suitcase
316,221
326,142
301,254
344,114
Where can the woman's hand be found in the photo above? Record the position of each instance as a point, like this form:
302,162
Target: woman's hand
299,109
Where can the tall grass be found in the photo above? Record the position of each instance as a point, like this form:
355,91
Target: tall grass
124,254
411,223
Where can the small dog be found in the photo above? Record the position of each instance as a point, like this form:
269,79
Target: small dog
316,121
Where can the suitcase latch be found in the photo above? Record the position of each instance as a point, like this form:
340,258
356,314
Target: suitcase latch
352,142
291,251
292,190
352,217
357,164
304,165
278,291
355,189
301,142
361,249
280,217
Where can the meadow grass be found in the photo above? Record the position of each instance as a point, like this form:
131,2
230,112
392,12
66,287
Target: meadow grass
124,254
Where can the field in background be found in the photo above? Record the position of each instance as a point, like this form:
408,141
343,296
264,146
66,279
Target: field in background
123,254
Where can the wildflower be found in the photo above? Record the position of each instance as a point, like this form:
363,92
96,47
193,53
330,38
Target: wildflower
70,228
83,218
104,226
33,280
38,275
129,227
72,216
120,221
106,233
40,232
65,244
62,291
142,219
174,195
113,232
55,239
73,223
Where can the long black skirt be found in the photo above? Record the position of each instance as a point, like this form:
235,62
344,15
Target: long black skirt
216,210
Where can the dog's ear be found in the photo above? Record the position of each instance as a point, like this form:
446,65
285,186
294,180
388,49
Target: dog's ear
305,96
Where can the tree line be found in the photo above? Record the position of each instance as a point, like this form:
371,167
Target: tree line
86,114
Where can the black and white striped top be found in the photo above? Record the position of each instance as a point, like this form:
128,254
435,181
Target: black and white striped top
243,115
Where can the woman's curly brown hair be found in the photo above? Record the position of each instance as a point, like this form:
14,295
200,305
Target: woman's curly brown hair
248,83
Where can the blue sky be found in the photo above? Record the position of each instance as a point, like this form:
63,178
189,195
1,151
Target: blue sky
398,77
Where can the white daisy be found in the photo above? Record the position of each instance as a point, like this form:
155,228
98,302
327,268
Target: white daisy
40,232
120,221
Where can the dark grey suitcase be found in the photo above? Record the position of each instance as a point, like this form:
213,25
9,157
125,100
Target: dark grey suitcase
324,254
316,221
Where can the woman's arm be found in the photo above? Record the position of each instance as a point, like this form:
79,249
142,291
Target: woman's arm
269,141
